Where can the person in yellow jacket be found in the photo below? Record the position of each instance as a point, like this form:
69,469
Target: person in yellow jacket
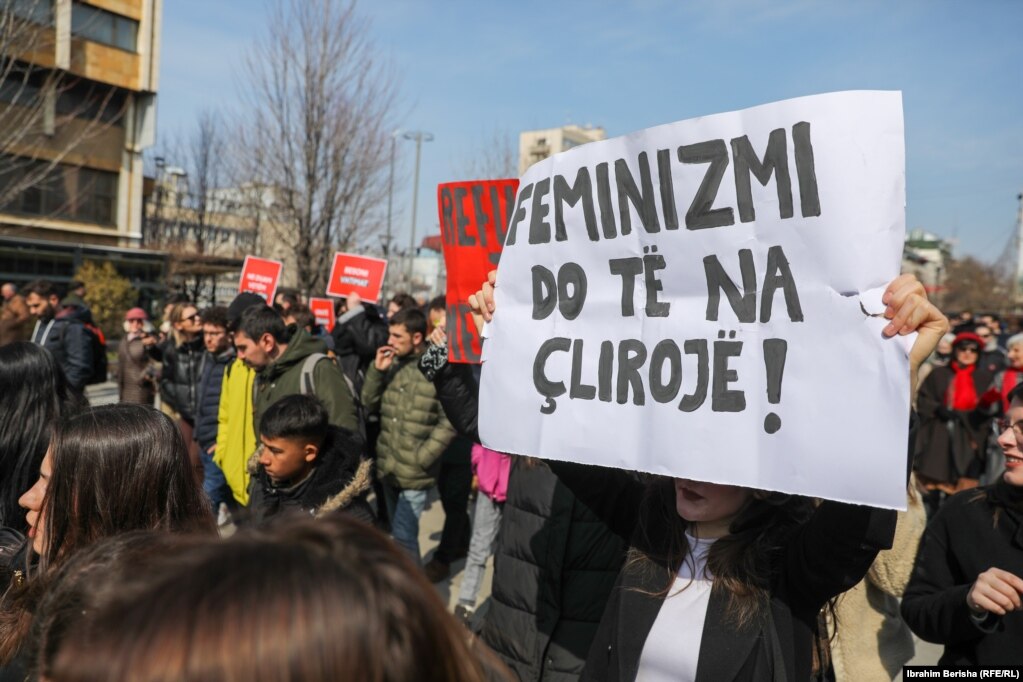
236,435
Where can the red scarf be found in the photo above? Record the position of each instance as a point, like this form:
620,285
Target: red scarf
962,394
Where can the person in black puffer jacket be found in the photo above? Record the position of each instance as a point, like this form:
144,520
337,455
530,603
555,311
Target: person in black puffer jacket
218,356
555,561
555,565
307,465
182,357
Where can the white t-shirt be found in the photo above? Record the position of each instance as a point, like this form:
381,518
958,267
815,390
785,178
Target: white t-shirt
672,648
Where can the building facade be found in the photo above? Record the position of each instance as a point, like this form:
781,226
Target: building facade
537,145
77,109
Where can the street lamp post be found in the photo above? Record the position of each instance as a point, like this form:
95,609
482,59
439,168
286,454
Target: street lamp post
390,203
419,136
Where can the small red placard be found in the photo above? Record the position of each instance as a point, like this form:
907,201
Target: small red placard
260,276
323,310
361,275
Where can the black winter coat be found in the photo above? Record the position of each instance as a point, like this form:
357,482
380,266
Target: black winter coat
339,481
179,378
950,444
961,542
819,560
554,566
65,337
457,390
357,336
207,404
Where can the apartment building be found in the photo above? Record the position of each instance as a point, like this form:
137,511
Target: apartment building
537,145
78,82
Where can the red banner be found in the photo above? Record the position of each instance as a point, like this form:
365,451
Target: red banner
260,276
323,310
361,275
474,218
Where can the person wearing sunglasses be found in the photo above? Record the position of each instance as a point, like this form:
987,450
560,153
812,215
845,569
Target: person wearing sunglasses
956,405
182,369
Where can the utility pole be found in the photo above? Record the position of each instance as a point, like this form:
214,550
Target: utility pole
419,136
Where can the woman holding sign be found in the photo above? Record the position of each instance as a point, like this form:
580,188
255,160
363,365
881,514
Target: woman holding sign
724,582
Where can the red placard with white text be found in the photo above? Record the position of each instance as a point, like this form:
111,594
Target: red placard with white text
260,276
323,310
474,217
360,275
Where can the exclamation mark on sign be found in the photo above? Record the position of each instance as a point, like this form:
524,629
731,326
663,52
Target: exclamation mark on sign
774,361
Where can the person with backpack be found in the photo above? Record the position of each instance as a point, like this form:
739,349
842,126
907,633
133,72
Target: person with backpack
61,333
287,360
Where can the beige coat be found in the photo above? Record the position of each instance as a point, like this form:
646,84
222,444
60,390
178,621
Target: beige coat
873,643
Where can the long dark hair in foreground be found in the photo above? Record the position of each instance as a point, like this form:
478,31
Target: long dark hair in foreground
312,599
118,468
741,562
115,469
34,397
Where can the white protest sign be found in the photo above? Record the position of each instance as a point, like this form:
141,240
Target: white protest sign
692,300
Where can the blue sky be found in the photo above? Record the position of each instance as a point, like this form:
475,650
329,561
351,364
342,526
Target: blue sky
469,70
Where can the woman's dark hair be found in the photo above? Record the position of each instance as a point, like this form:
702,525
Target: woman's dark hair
118,468
295,416
34,398
327,599
89,580
115,469
741,562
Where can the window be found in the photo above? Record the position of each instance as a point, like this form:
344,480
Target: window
21,87
64,192
91,102
104,27
36,11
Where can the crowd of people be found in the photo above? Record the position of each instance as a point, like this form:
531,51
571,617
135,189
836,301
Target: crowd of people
250,510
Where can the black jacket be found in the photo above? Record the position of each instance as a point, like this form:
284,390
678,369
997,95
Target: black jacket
339,481
951,443
207,404
961,542
457,390
554,566
65,337
179,378
357,336
819,560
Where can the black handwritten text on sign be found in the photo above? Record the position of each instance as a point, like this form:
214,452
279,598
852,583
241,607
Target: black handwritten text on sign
629,370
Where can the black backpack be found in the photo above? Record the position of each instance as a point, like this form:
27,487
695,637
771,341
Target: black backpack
98,346
97,351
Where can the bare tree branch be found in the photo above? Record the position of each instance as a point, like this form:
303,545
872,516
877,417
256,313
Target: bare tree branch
320,109
45,114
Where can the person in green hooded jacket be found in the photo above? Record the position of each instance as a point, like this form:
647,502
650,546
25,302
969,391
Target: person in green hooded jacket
280,357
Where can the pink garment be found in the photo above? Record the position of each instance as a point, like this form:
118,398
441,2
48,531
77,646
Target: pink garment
491,472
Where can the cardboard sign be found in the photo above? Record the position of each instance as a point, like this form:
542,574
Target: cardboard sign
695,300
361,275
323,310
473,220
260,276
